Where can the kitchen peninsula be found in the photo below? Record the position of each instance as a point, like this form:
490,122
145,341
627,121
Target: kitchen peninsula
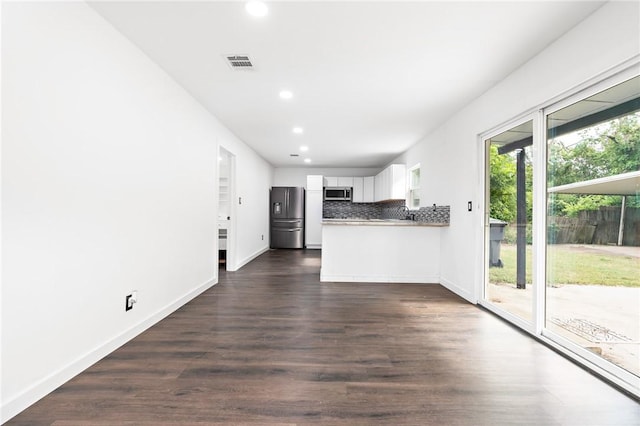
380,250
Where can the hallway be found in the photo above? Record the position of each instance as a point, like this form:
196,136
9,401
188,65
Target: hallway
271,345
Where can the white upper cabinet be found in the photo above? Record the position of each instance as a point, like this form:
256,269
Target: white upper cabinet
330,181
346,182
390,184
368,195
314,182
358,190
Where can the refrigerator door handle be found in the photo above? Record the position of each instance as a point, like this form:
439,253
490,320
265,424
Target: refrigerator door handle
286,202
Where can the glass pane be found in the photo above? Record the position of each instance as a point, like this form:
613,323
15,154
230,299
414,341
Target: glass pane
415,178
508,232
414,199
593,226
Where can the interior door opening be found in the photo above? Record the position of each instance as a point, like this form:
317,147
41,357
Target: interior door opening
225,214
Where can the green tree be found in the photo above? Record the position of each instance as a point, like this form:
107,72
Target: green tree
502,186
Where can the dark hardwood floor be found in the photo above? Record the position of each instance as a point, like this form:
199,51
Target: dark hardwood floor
271,345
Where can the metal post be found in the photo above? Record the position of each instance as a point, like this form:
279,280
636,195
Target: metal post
521,221
621,228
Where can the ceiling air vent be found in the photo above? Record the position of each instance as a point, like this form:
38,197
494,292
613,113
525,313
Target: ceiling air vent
239,62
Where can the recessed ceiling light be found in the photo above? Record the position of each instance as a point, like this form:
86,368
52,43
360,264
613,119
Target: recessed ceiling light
286,94
256,8
298,130
304,148
307,160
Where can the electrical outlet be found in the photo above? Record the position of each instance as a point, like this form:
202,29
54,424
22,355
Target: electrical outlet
130,300
469,206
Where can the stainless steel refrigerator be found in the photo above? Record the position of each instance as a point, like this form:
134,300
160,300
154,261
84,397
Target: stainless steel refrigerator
287,217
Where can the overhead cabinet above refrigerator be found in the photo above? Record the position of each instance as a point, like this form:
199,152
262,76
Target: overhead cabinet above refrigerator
287,217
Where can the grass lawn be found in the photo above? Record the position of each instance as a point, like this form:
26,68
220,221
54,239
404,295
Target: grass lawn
570,266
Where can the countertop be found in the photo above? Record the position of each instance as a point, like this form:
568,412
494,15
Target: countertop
380,222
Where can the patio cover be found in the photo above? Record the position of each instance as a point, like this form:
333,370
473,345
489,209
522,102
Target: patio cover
622,184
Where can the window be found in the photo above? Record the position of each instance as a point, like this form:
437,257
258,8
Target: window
414,187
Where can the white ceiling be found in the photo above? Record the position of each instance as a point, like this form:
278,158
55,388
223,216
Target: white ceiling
370,79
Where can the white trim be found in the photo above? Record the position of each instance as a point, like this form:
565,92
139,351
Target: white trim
465,294
54,380
429,280
249,258
539,250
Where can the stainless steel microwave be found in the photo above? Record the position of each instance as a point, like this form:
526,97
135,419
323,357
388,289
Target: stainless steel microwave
337,193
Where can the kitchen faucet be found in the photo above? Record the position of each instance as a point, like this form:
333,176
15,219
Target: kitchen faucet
406,210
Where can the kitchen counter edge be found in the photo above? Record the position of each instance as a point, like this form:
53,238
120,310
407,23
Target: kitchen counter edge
391,222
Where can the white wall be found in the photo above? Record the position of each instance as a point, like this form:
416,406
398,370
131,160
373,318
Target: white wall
297,176
450,157
108,186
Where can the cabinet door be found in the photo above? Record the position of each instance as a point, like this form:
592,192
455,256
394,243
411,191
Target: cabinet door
345,182
386,187
397,182
314,182
330,181
377,186
358,190
368,190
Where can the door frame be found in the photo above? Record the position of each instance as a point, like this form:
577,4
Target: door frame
230,264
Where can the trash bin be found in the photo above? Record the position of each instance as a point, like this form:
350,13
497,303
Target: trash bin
496,235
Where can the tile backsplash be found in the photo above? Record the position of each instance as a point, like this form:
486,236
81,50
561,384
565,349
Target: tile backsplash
387,210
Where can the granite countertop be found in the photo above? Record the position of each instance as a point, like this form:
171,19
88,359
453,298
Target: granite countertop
380,222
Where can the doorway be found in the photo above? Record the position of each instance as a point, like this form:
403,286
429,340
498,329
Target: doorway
226,174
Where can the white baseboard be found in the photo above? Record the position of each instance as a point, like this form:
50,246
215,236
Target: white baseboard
54,380
314,246
457,290
249,258
380,279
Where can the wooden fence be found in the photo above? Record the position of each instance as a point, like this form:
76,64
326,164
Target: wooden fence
596,227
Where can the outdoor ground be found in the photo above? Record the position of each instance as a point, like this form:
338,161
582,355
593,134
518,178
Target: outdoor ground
603,318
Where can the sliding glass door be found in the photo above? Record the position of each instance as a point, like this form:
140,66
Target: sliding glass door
593,226
562,226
